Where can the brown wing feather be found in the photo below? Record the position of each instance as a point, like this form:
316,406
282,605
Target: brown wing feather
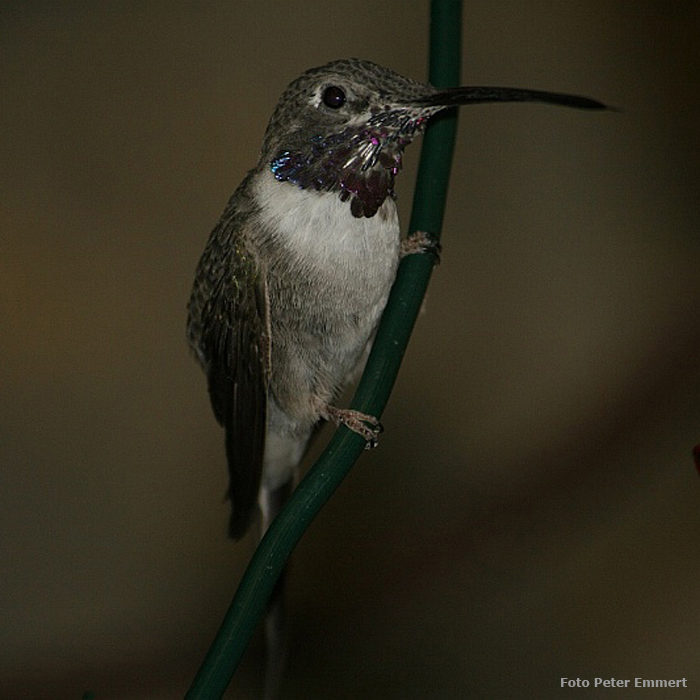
229,330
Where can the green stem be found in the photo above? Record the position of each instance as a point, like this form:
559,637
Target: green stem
324,477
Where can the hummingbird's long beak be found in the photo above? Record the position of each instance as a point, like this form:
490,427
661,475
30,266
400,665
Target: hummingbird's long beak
476,95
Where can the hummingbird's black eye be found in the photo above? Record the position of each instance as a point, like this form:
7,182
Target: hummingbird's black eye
333,97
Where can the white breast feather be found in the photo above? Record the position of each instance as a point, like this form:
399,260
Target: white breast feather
319,227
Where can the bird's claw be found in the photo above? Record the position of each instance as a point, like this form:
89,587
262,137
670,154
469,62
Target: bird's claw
421,242
366,426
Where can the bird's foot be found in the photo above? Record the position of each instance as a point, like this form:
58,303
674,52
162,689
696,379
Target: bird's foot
366,426
421,242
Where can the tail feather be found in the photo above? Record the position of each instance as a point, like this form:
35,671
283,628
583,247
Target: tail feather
276,641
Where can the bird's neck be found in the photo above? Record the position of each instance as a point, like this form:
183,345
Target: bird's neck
318,229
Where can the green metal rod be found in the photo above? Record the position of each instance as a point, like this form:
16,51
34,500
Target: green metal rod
324,477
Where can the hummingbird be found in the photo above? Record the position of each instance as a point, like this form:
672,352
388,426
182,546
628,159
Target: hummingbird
295,275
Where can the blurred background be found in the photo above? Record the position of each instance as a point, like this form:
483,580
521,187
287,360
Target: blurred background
533,510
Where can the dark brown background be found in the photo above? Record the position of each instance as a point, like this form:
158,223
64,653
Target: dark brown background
533,510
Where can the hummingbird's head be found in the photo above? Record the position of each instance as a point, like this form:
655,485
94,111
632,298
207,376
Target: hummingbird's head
343,127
